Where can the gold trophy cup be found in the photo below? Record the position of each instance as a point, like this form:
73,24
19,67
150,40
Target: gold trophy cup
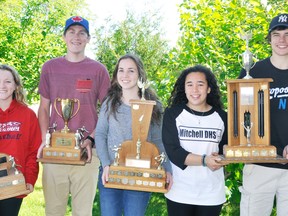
63,146
67,109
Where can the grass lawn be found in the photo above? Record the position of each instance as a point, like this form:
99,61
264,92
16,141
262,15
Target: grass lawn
34,205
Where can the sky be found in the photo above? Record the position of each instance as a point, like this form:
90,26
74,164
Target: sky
117,10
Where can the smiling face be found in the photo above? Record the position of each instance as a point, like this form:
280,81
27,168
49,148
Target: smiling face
196,90
7,87
127,75
279,42
76,38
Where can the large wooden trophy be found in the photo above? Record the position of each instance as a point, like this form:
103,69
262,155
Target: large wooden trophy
138,163
12,181
63,146
249,118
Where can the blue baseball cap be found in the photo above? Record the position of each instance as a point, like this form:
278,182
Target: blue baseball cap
77,20
280,20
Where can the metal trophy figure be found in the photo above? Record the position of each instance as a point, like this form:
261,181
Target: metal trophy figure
248,132
13,164
160,159
247,56
67,109
143,85
117,155
79,137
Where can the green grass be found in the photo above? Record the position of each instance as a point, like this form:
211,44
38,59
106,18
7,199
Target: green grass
34,204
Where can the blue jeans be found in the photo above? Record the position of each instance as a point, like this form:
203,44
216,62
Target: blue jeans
115,202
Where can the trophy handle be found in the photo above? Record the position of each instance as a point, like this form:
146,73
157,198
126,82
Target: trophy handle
55,107
78,107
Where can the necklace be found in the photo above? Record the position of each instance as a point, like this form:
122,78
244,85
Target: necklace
197,116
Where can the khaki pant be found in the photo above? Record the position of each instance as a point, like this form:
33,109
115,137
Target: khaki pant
260,186
61,180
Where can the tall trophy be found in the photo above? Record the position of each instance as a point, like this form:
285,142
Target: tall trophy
247,56
138,163
249,118
12,181
64,146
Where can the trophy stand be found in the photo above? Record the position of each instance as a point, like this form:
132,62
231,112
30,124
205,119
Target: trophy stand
249,118
138,163
64,146
12,181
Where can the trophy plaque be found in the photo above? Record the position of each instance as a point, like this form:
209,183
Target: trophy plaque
12,181
249,119
138,163
64,146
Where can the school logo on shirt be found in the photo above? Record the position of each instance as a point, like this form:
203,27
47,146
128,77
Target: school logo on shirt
191,133
10,126
280,94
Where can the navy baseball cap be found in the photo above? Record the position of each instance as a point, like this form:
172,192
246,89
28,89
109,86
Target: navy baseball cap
77,20
280,20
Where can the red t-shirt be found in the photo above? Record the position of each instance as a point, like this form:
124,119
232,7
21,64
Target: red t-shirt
87,81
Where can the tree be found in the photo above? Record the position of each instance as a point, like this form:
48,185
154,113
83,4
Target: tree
139,35
30,34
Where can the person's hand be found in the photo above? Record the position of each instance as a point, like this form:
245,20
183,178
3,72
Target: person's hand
30,188
40,150
285,152
105,175
88,145
212,161
169,180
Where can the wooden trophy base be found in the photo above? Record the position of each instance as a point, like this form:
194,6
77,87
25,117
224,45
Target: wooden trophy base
251,154
62,155
12,185
140,179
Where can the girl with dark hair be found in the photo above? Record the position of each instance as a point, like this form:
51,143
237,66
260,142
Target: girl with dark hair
114,127
193,134
19,134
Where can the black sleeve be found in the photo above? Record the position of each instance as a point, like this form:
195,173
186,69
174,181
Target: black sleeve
224,140
242,74
176,154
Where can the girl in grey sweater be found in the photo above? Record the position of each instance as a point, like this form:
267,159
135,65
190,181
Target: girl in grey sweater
114,127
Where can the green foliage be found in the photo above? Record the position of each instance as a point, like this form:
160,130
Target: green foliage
139,35
30,34
210,35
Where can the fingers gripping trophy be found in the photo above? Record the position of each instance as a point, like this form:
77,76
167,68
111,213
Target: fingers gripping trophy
64,146
138,163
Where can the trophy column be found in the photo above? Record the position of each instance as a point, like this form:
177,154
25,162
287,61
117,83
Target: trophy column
249,119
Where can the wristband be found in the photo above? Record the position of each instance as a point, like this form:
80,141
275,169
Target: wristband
203,160
91,139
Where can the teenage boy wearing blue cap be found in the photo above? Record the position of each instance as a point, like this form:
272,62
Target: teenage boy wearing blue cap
72,76
262,182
